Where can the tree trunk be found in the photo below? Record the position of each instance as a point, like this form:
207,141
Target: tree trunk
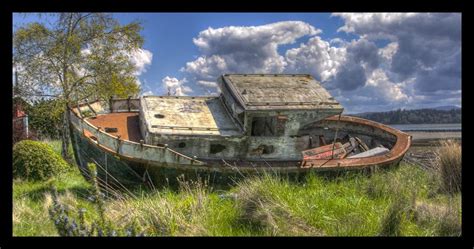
65,139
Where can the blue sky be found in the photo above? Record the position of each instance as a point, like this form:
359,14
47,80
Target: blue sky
369,62
169,35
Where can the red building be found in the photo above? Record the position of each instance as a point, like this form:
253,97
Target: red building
20,121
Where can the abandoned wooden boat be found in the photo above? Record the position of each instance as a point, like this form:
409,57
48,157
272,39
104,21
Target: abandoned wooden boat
278,123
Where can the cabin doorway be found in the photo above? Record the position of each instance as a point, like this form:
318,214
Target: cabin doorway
269,126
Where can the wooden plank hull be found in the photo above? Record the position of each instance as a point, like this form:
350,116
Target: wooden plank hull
93,145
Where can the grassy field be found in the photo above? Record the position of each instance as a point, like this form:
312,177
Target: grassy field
402,201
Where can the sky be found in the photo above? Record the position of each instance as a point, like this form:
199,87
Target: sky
367,61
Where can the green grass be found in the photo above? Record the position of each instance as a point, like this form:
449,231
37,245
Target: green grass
402,201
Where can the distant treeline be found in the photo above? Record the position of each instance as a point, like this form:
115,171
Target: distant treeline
420,116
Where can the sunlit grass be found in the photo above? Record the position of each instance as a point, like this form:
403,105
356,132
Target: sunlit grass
401,201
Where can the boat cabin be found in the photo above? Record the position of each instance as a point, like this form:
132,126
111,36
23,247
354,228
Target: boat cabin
256,116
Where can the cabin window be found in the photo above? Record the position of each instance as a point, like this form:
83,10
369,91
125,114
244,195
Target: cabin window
159,116
268,126
216,148
268,149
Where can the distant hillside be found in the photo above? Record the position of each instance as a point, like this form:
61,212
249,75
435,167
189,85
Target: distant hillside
446,107
419,116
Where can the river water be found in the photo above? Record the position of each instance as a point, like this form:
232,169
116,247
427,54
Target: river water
427,127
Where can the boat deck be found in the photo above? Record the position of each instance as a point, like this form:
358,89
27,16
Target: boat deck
127,124
184,115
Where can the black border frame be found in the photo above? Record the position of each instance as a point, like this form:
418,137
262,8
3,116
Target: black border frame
7,241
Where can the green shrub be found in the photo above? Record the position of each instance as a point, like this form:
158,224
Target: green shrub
34,160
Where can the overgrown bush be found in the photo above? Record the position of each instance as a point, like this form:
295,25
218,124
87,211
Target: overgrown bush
446,218
33,160
449,166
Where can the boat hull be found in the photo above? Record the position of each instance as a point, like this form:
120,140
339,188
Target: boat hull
119,164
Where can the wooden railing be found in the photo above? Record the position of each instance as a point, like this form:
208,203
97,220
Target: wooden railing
126,148
124,105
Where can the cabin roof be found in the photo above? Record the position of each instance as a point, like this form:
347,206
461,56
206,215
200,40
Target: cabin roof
183,115
279,91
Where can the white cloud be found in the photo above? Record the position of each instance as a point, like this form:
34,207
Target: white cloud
222,40
147,93
176,87
251,49
386,89
419,65
426,43
141,58
378,94
337,41
316,57
388,51
207,83
355,22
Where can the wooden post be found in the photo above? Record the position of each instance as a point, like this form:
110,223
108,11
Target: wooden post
81,116
119,143
335,136
111,103
128,103
98,131
90,107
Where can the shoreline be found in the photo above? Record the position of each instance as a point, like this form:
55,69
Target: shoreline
424,137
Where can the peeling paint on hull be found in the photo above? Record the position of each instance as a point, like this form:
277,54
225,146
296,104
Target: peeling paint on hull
161,164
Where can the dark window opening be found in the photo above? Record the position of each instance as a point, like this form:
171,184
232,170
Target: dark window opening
182,145
216,148
268,126
159,116
110,129
268,149
263,149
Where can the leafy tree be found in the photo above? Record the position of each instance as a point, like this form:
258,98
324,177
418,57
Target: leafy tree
73,56
45,117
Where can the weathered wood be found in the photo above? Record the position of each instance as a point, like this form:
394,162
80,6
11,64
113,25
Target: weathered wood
372,152
326,151
363,146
